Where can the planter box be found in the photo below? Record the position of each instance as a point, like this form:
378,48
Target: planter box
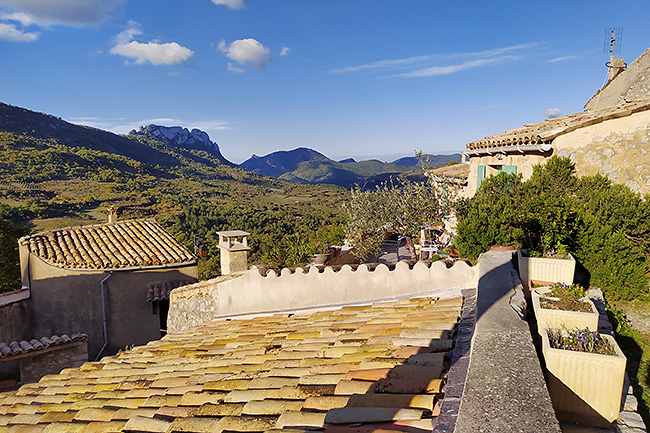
321,259
550,318
585,387
544,269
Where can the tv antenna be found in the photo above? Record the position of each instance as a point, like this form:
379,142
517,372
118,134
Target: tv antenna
613,40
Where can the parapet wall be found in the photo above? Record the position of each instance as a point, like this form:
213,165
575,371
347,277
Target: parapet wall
290,290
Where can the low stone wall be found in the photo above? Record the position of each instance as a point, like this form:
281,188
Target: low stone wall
32,368
290,290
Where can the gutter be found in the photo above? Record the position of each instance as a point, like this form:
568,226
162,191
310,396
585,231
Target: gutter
101,287
519,148
139,268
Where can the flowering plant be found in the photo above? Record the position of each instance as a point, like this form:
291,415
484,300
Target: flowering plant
567,297
562,290
582,340
323,248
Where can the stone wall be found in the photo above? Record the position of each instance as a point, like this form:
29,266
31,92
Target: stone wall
253,293
15,325
632,83
15,316
34,367
618,149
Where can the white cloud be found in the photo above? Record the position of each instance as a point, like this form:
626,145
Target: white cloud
562,59
441,64
246,52
75,13
127,35
154,53
232,4
235,69
20,17
385,64
9,32
451,69
553,112
285,51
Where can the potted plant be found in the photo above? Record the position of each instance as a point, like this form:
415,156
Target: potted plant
564,306
585,373
548,269
322,253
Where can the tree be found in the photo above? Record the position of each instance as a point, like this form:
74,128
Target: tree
400,207
9,261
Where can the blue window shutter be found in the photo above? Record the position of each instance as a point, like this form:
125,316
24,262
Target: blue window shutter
481,176
509,169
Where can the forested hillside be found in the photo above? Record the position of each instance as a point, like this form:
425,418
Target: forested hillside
55,174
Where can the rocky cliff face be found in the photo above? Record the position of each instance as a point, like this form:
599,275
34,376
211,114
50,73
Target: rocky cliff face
181,137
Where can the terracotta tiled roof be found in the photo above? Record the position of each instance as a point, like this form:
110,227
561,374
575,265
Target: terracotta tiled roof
160,291
456,171
549,129
109,246
347,370
17,348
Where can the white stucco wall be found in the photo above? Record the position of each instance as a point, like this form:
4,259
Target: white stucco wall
252,293
524,163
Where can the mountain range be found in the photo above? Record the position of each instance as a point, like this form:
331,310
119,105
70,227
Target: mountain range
303,165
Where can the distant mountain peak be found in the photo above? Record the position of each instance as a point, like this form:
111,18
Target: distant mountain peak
304,165
181,137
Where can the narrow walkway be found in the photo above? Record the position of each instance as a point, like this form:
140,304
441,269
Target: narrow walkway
505,389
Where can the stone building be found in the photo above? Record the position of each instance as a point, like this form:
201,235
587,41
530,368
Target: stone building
109,281
611,137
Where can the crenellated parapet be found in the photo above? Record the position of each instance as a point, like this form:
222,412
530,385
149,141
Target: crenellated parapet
260,291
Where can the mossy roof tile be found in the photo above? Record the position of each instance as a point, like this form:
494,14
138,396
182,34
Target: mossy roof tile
263,373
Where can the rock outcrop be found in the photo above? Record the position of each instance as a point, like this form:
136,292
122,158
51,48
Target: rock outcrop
181,137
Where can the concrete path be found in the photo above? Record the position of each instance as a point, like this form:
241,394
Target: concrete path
505,389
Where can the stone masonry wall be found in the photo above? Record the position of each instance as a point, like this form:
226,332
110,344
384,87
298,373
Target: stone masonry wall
52,362
618,149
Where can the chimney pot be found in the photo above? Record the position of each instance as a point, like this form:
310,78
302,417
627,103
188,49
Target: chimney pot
112,214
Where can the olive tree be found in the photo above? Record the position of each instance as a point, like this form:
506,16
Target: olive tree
398,207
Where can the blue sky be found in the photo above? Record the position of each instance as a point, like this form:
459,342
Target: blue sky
349,78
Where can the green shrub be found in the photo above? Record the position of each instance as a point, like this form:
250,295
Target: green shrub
606,227
491,217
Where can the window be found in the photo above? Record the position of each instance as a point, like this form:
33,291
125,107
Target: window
485,171
481,176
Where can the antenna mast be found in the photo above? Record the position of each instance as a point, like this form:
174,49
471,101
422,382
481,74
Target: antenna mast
613,40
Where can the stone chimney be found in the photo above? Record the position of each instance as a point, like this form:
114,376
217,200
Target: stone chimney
234,251
112,214
615,66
